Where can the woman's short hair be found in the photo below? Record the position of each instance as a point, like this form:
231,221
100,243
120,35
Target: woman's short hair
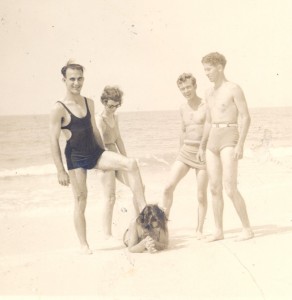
150,213
111,93
214,59
184,77
71,65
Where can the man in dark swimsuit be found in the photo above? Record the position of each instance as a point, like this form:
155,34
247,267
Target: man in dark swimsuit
74,116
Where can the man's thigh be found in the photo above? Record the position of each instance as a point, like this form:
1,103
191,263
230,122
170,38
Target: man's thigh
214,167
177,172
110,160
202,180
229,165
78,181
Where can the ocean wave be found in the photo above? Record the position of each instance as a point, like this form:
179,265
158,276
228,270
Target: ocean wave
32,170
48,169
282,155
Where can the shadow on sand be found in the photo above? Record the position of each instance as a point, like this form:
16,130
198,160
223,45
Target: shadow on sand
263,230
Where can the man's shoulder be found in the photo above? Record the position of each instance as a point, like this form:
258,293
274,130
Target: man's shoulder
89,100
232,85
57,108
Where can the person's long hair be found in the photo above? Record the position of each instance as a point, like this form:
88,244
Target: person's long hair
152,213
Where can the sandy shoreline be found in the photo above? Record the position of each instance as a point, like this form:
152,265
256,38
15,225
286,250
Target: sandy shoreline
39,250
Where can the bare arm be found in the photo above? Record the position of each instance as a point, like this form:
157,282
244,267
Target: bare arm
133,244
205,136
55,131
163,241
100,127
96,132
183,128
120,142
240,102
206,130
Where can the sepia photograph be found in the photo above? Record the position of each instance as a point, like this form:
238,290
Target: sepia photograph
146,150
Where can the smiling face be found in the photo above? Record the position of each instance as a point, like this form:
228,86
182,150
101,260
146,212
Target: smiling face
187,88
74,81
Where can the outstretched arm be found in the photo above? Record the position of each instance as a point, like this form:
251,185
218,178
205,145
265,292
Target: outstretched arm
55,131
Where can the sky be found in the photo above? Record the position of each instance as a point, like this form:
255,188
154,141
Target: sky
142,47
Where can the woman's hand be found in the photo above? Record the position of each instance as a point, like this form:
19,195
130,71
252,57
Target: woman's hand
150,244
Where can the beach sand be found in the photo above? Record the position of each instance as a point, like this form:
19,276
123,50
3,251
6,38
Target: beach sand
39,256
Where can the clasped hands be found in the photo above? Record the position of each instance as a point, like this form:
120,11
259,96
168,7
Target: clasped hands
150,244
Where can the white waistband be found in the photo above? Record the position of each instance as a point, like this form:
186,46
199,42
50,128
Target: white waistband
222,125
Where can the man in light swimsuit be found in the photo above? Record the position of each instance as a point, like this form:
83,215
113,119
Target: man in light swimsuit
74,117
225,103
193,114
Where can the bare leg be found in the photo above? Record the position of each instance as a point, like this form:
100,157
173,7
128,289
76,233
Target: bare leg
214,170
230,167
109,183
78,181
122,176
177,172
202,183
114,161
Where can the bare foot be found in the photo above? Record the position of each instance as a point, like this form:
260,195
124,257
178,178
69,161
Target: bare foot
215,237
199,235
85,250
246,234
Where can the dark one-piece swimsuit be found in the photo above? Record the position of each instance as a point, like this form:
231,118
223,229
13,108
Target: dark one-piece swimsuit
82,150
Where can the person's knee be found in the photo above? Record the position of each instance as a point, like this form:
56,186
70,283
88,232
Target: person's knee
132,164
216,188
202,197
81,198
230,189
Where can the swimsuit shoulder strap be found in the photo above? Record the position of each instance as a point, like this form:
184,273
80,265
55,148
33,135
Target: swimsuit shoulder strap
69,111
88,111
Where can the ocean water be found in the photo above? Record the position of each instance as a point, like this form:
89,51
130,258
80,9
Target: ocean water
148,136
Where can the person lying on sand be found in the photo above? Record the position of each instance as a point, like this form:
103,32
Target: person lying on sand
148,232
